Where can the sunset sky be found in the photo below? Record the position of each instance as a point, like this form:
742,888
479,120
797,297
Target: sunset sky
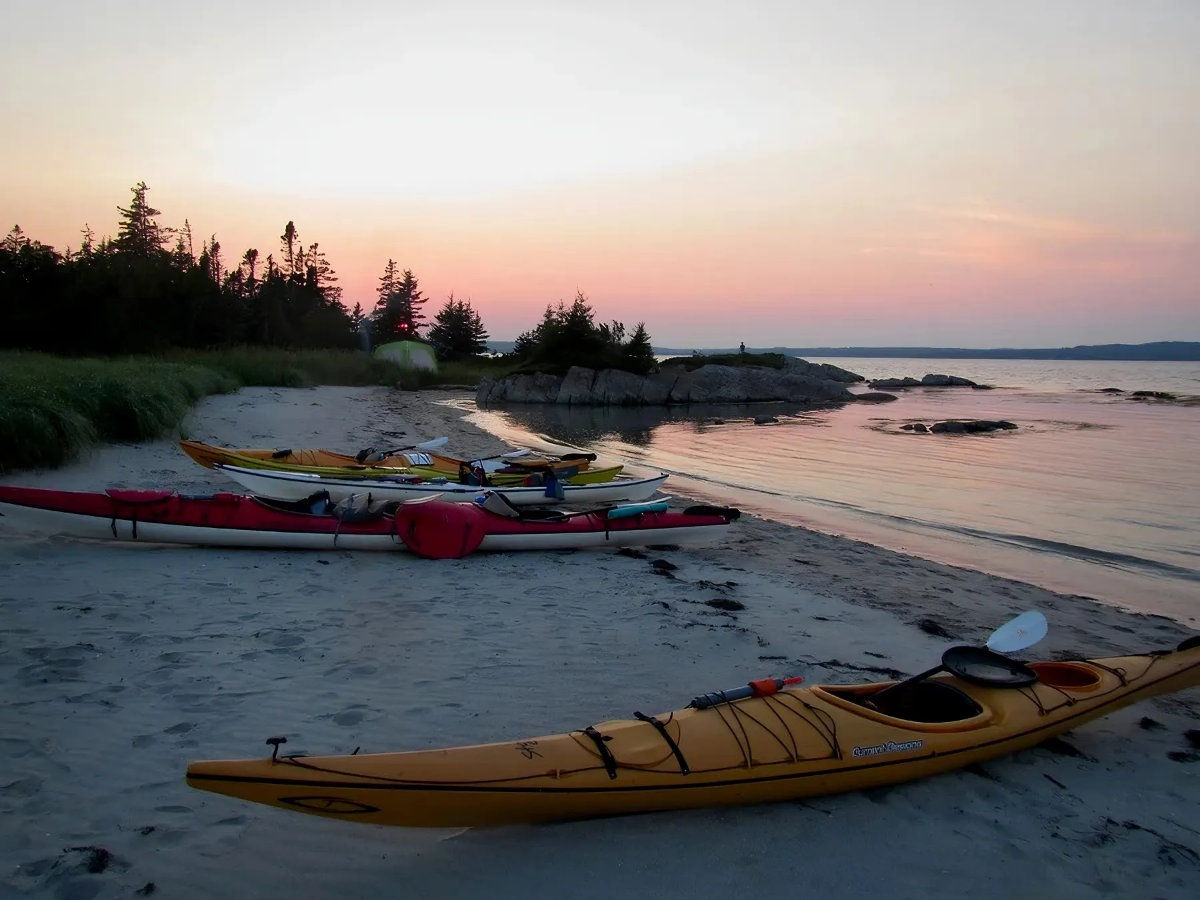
973,173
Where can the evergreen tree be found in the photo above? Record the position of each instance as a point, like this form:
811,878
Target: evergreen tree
572,337
89,240
290,240
183,252
145,291
458,331
249,269
214,269
30,275
397,314
139,232
319,275
410,302
568,336
639,353
388,283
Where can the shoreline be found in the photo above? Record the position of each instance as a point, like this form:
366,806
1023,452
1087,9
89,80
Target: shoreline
1130,550
128,661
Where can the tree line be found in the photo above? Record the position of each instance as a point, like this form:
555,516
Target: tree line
147,290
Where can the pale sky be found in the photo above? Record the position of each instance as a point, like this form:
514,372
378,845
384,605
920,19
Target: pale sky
974,173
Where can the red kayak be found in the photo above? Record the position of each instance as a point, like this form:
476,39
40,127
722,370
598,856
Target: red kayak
431,528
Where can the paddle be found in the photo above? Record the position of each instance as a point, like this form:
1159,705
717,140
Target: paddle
760,688
373,455
583,452
1024,631
986,666
566,457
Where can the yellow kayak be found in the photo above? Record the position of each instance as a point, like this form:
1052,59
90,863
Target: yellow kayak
778,743
413,462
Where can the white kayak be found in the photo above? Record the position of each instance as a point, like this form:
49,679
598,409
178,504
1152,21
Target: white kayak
280,485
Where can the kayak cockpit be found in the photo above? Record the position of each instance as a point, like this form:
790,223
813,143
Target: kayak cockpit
924,703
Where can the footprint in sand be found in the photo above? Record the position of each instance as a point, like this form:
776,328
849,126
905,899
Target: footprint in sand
22,787
285,641
351,715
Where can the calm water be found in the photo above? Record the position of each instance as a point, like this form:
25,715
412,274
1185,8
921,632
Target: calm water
1093,494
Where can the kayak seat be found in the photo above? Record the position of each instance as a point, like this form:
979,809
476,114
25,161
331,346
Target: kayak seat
922,701
359,507
1070,676
499,505
542,515
317,504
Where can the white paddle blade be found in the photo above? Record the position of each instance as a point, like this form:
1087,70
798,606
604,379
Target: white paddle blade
1024,631
429,445
514,454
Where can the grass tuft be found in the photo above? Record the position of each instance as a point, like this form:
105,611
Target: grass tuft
53,408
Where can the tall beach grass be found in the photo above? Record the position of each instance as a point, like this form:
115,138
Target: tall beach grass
53,408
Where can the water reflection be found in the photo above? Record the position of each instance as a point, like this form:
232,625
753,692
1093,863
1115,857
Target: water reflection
584,425
1090,495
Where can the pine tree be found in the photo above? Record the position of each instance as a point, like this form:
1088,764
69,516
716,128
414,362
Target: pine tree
215,269
290,242
410,302
388,282
139,232
638,354
320,276
249,269
397,314
458,331
183,252
89,240
568,336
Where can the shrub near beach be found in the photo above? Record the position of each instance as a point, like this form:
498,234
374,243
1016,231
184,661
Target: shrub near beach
52,408
568,336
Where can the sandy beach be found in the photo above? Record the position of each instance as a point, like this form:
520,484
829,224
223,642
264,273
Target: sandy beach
121,663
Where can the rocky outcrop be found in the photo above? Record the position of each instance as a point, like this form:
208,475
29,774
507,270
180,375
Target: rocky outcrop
928,381
1152,395
798,382
954,426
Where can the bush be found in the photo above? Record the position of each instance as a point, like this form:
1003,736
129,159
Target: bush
568,336
52,408
55,407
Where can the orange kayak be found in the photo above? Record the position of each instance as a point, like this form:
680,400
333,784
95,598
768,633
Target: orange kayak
776,743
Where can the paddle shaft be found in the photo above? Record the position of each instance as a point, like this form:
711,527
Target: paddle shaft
907,681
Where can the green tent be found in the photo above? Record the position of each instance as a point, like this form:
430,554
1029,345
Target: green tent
409,354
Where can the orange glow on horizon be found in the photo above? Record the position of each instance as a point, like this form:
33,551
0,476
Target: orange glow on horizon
834,180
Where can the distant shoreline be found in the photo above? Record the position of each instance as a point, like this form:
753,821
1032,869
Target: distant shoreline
1158,351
